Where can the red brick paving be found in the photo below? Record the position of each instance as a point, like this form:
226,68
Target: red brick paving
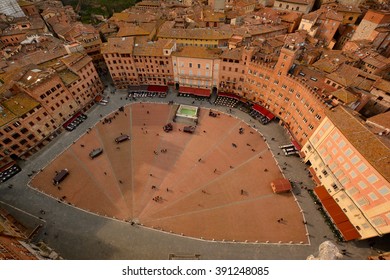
199,202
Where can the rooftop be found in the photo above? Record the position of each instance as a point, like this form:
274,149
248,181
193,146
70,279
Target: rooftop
348,9
23,3
198,52
68,77
167,31
349,76
323,14
376,152
34,76
76,61
213,16
377,60
233,54
244,3
7,77
152,48
133,17
118,45
20,104
382,120
313,78
345,95
130,29
382,85
6,116
302,2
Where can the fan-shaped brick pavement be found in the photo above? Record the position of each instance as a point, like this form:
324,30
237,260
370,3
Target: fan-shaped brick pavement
206,187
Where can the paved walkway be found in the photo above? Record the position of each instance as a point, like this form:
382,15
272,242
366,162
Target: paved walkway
76,234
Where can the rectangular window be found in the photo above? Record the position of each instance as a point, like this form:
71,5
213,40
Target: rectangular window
347,166
344,181
384,190
362,201
378,221
351,207
366,226
355,159
372,196
352,174
341,144
15,135
339,173
362,185
352,191
15,147
362,167
348,152
372,179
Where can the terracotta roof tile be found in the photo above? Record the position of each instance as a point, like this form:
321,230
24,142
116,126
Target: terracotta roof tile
382,120
375,151
197,52
118,45
166,31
